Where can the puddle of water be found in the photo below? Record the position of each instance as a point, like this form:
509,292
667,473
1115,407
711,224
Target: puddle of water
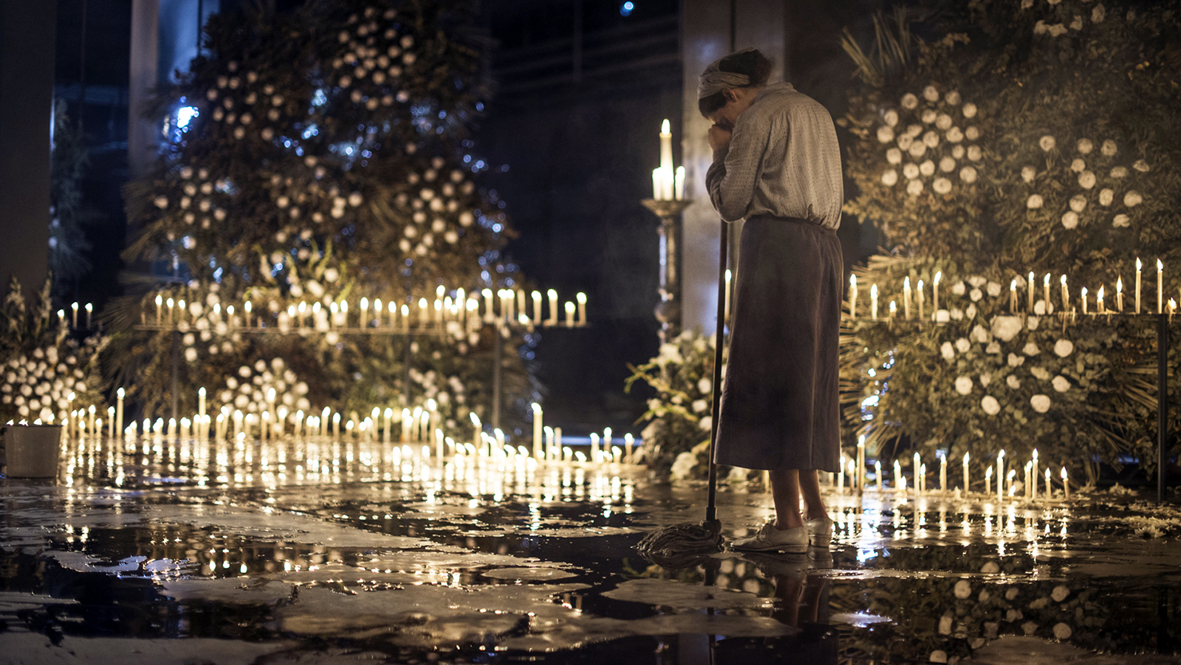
307,547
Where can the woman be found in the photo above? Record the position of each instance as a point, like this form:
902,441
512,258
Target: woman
777,164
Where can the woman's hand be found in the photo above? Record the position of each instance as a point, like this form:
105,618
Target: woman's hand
719,137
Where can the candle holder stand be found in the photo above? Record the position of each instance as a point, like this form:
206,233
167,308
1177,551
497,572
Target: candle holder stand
668,311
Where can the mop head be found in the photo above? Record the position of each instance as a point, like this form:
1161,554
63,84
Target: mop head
682,545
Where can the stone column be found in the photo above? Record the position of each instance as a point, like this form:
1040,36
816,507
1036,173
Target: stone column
709,30
145,49
28,32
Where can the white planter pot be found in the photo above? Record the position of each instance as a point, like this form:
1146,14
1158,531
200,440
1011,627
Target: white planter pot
31,451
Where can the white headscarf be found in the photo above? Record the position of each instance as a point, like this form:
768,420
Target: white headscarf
713,80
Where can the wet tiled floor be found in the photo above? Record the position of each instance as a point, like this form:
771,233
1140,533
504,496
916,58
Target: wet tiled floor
303,552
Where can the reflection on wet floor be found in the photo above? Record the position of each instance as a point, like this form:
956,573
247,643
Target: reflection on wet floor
326,551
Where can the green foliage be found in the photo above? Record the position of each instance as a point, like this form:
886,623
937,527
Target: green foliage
67,239
1031,136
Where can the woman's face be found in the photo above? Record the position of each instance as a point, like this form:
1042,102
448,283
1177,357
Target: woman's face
737,101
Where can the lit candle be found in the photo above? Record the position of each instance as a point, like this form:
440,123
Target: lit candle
336,425
920,483
726,301
1160,287
594,439
537,431
920,298
1013,296
852,293
90,423
200,403
1084,296
536,308
581,297
1012,485
860,469
666,159
110,421
520,311
553,306
987,481
935,288
1172,309
1030,284
1046,293
628,442
424,312
679,183
1138,267
377,307
943,473
873,302
61,318
1000,475
893,309
364,312
89,310
1033,476
569,314
558,441
247,306
159,302
1099,301
1049,492
877,470
967,483
1066,295
1028,469
898,480
119,394
1119,295
657,183
917,473
906,297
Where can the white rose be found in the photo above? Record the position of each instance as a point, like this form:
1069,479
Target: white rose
993,288
1121,221
1015,360
968,174
1033,321
962,344
1047,143
1132,199
955,135
704,385
1040,403
947,165
993,348
970,312
700,405
1040,373
917,149
1013,382
1057,30
958,288
985,379
1063,348
947,351
943,122
963,385
1070,219
1106,196
1028,173
979,334
1062,631
905,141
931,139
705,423
890,178
1034,201
972,133
1098,14
1141,166
975,295
969,110
1084,146
931,94
1119,172
1108,148
915,187
1005,328
894,156
963,589
911,171
891,117
1078,203
957,313
1060,593
928,116
1060,384
909,101
990,405
927,168
1086,180
958,152
1030,349
941,186
1078,165
885,134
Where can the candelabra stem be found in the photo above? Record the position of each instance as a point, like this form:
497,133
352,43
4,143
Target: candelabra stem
668,310
1162,402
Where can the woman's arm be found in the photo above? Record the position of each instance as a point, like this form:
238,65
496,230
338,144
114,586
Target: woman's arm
732,176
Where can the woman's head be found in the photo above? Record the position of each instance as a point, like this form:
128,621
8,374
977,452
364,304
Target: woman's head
728,86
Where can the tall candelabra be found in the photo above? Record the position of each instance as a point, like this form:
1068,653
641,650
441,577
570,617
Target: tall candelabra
668,310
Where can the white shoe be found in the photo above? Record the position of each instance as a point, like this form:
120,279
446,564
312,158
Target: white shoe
770,539
819,532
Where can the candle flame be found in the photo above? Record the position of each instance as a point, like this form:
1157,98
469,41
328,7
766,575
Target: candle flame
938,277
966,458
1159,266
1013,284
200,391
1046,281
1101,293
920,286
852,278
1138,264
906,283
1119,285
581,297
873,290
1035,454
1063,474
1001,453
665,127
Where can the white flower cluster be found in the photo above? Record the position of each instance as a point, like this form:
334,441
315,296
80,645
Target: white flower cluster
196,200
300,200
1103,184
435,208
931,147
1077,21
205,322
250,390
375,60
235,102
40,386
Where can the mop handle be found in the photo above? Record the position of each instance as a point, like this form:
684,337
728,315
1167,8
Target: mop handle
711,509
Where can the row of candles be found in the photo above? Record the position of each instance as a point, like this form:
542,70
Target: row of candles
667,183
918,297
61,315
857,476
420,425
463,309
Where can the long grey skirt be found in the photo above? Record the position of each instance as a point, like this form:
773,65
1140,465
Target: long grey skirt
780,405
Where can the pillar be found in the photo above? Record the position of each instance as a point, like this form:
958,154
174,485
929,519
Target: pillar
27,44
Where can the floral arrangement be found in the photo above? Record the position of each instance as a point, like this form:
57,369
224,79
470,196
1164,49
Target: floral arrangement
44,372
1031,137
678,420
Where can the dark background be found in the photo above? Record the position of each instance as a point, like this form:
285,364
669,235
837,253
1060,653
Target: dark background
570,136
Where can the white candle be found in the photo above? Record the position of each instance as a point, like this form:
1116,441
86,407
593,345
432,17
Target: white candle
581,297
1065,485
860,471
1030,289
935,289
1049,492
536,308
877,470
537,431
1013,296
921,298
666,145
898,480
499,437
966,478
553,306
1033,476
558,439
1099,301
159,302
657,183
906,297
1012,485
943,473
119,394
1000,475
89,310
1138,267
550,452
569,314
200,402
1046,292
679,183
917,473
628,442
1160,287
852,295
987,481
1083,294
873,302
1066,296
594,439
1119,295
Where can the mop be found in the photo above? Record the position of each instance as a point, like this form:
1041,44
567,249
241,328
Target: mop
686,544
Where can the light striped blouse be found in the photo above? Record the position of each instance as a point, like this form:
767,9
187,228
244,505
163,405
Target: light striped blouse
783,160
